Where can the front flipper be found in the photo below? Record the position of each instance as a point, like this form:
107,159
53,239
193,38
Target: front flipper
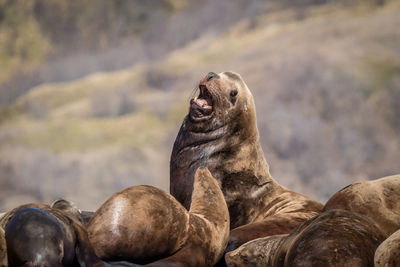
273,225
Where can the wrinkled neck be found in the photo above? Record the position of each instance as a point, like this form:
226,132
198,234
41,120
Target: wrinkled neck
232,154
192,149
189,139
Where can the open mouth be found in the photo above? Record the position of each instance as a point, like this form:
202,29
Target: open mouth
202,105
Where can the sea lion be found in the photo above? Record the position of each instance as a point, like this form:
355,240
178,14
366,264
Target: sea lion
142,223
377,199
220,133
41,235
3,249
388,252
333,238
256,253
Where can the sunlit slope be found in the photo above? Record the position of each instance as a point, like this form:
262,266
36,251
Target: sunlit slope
326,86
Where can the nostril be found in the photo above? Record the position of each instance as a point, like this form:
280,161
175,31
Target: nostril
211,75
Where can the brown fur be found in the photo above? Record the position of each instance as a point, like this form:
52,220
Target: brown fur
227,142
3,249
333,238
86,255
143,223
132,225
255,253
388,252
378,199
374,202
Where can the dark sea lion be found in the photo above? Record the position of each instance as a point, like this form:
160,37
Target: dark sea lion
3,249
40,235
388,252
220,133
142,223
377,199
333,238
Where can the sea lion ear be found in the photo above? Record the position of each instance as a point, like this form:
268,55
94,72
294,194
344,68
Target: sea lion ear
67,206
61,204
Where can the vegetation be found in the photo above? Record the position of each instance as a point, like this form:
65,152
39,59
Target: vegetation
325,77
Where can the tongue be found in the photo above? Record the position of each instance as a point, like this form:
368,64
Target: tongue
203,103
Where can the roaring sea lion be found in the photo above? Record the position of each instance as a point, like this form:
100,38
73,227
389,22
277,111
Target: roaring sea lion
377,199
388,252
41,235
142,223
220,133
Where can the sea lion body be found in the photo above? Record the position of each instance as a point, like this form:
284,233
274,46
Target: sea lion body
85,254
333,238
220,133
388,252
377,199
133,225
3,249
144,224
40,235
357,211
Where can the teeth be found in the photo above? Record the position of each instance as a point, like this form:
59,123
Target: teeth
195,98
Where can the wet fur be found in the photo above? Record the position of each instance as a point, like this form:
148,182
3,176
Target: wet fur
377,199
39,235
333,238
3,249
142,224
256,253
388,252
360,215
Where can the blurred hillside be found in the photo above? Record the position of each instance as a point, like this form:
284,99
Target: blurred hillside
93,92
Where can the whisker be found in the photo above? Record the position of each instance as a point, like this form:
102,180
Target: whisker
194,92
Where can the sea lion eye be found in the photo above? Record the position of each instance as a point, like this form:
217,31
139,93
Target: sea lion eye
233,94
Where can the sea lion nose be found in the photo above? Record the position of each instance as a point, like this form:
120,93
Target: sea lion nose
211,75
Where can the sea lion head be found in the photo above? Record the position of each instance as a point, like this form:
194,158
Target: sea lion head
38,237
224,99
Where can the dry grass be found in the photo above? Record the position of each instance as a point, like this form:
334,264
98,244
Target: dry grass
325,81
